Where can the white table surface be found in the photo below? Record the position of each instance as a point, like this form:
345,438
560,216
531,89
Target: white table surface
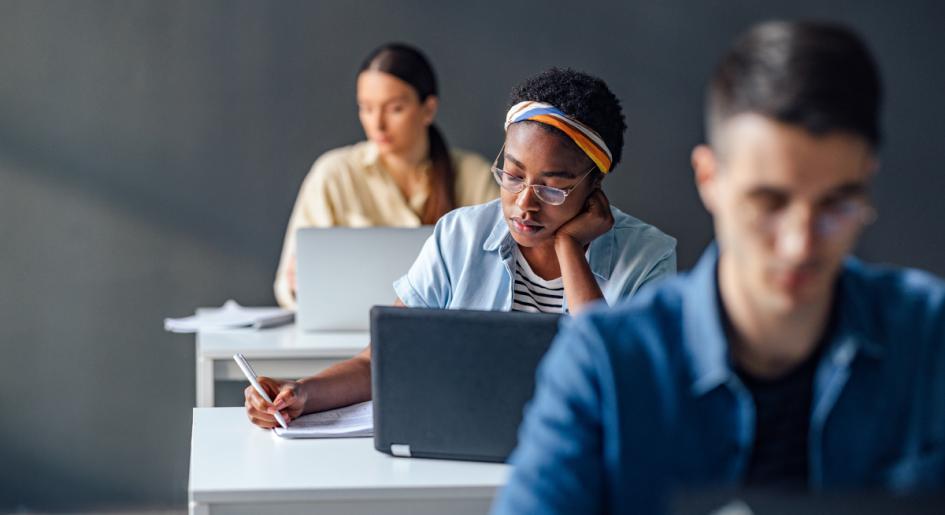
282,352
236,467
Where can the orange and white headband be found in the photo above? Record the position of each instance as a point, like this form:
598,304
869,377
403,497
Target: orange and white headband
583,136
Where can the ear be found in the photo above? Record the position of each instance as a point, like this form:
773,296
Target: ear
430,107
706,167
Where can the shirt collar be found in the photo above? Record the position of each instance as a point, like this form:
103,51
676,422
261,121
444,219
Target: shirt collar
857,319
371,154
600,255
707,346
704,337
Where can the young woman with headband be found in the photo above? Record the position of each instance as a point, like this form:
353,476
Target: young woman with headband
550,243
403,175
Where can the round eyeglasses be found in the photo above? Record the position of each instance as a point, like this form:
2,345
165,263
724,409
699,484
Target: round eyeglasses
838,219
546,194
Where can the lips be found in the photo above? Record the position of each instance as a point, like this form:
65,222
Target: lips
525,226
795,279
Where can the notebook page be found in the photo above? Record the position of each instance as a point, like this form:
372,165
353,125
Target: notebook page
349,421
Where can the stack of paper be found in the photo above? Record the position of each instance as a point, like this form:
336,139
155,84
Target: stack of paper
350,421
230,316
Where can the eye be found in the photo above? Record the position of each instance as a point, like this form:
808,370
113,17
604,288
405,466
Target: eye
513,178
839,205
768,202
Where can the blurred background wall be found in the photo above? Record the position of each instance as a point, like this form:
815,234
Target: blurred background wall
150,153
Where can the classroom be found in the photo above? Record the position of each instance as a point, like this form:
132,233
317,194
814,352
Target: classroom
472,257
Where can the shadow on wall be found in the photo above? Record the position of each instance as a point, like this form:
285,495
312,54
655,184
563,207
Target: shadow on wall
103,394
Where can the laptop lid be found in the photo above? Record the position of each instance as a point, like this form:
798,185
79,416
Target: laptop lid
453,383
343,271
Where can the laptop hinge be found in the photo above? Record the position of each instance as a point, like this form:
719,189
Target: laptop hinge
400,449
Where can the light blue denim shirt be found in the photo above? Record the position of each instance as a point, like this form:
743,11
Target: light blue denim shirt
468,262
634,403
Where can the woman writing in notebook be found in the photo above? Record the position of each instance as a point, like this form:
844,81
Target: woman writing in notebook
403,175
550,243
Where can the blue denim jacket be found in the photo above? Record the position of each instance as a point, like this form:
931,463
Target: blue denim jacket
468,262
641,401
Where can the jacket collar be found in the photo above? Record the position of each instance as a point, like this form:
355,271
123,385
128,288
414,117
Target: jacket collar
705,342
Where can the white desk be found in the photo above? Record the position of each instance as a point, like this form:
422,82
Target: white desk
281,352
237,468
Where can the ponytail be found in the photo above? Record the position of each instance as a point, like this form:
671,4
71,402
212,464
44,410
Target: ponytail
442,179
411,66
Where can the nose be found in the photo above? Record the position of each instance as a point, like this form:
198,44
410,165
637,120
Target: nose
381,121
375,121
526,199
796,235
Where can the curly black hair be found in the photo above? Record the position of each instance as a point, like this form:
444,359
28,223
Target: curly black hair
582,97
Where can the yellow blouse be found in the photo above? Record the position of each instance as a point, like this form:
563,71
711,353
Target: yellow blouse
348,187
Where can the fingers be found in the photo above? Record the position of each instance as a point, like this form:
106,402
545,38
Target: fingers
285,398
271,386
259,417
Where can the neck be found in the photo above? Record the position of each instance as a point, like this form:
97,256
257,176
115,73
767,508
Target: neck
406,163
543,260
764,342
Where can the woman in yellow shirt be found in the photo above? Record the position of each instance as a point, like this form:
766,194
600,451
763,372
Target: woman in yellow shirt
403,175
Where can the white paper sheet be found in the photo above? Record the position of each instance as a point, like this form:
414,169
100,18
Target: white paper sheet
230,316
349,421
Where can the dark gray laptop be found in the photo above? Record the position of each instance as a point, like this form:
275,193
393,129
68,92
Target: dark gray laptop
453,383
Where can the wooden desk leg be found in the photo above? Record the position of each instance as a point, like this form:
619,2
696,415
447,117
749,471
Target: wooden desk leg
205,398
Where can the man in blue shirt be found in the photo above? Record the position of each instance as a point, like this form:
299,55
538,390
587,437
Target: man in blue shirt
779,361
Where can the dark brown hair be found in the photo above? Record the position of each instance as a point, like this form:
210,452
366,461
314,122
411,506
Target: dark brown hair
411,66
815,75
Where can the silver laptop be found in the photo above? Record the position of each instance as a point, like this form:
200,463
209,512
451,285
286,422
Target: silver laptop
342,272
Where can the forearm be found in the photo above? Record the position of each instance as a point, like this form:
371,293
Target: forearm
342,384
580,287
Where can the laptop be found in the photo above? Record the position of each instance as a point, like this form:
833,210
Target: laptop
342,272
453,383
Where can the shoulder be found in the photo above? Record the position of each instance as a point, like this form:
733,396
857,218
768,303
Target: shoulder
636,236
902,298
905,282
474,183
467,162
341,161
646,325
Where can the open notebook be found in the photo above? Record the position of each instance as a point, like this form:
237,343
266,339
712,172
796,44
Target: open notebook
346,422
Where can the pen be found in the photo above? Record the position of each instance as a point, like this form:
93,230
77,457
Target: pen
251,375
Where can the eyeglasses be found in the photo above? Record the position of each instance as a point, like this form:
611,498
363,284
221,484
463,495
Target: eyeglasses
546,194
840,218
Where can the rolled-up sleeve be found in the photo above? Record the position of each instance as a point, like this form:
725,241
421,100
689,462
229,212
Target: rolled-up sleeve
427,283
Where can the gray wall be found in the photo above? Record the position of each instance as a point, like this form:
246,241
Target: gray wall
150,153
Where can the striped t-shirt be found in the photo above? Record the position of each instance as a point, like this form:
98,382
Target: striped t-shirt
533,294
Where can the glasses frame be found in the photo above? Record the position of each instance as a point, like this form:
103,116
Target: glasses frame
855,213
538,189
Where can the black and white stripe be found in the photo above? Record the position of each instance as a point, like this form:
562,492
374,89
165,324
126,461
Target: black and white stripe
533,294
